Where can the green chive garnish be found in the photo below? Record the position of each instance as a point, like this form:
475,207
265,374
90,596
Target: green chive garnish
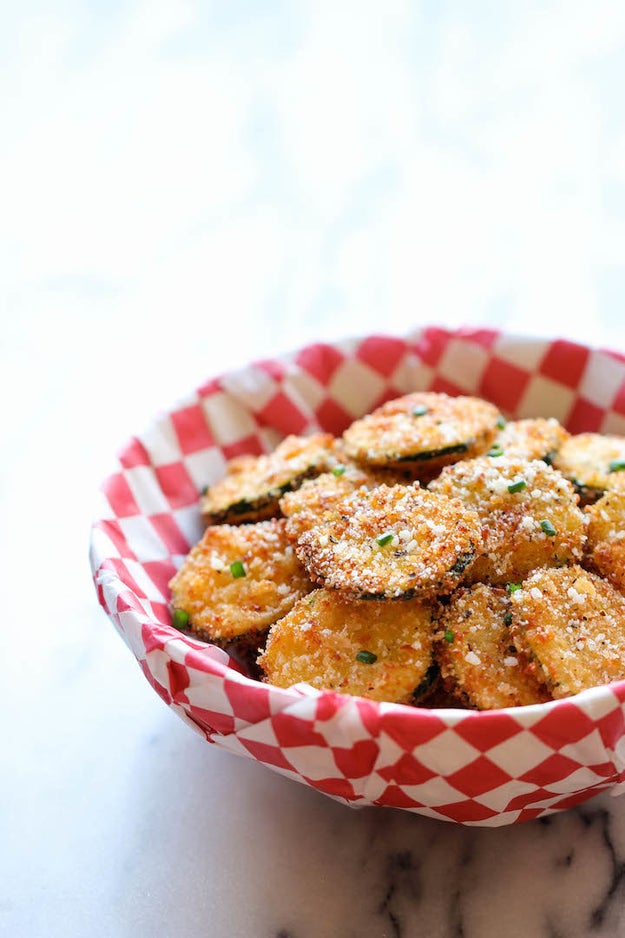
204,490
449,636
616,465
366,657
338,471
548,528
513,587
237,569
495,451
180,619
507,619
517,486
384,539
419,410
501,422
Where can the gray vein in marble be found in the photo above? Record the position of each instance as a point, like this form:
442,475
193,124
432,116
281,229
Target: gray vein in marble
616,887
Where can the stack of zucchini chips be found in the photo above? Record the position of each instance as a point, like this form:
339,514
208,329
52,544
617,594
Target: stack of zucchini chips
433,555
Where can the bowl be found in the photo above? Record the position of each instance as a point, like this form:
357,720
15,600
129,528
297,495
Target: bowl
486,768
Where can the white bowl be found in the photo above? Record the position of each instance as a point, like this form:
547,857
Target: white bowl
488,768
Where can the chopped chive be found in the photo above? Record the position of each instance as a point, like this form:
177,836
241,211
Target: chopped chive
495,451
517,486
501,422
420,410
548,528
237,569
180,619
616,465
513,587
338,471
204,490
449,636
384,539
366,657
507,619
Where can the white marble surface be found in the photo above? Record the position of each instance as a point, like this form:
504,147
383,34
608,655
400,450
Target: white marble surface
185,186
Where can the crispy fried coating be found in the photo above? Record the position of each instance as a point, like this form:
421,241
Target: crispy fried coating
253,485
606,536
238,580
477,656
572,623
310,503
378,650
594,463
538,438
392,542
529,514
425,429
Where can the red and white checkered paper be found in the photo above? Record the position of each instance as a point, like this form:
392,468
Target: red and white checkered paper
484,768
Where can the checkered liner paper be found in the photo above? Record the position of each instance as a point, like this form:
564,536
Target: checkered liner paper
485,768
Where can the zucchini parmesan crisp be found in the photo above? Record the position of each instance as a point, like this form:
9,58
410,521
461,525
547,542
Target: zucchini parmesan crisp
392,542
432,556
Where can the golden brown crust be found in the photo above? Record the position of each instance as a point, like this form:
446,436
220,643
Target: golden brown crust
589,460
225,607
477,656
529,513
314,499
253,485
393,542
572,622
606,536
537,438
425,429
322,640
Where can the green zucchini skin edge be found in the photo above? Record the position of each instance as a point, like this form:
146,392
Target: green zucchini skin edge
429,682
427,455
463,561
261,508
458,568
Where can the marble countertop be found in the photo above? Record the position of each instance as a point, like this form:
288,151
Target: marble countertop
187,188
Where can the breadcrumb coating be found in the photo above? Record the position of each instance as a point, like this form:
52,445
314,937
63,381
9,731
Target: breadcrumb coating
606,536
371,649
311,502
529,512
594,462
392,542
572,623
253,485
532,438
238,580
476,653
427,429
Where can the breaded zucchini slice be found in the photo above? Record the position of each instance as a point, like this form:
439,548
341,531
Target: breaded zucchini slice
424,429
477,656
572,623
594,462
392,542
378,650
529,512
238,580
253,485
606,536
310,503
539,438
